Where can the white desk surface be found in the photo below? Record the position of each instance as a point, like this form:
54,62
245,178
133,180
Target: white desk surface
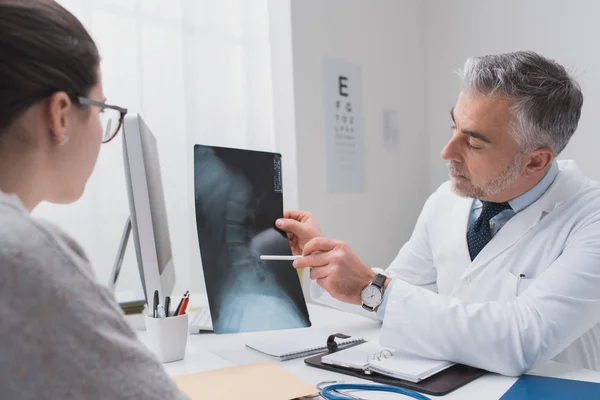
209,351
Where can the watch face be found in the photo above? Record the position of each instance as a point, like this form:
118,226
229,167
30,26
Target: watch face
371,296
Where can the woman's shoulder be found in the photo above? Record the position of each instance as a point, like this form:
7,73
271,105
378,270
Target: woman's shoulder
33,244
38,259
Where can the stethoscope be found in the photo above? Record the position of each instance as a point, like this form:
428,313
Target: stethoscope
330,390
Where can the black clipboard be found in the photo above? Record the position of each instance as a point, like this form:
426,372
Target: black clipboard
439,384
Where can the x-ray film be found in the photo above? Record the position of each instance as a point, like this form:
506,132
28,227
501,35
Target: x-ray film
239,196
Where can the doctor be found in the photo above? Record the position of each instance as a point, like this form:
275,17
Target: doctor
502,271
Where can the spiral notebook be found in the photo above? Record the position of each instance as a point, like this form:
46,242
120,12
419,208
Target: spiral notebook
297,343
371,356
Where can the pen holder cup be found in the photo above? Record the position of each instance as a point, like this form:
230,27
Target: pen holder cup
168,337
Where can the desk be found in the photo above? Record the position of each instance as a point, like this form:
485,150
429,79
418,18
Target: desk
210,351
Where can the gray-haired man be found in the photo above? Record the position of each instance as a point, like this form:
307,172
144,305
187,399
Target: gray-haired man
502,271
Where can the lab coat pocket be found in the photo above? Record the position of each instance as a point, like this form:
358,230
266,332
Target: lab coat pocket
514,285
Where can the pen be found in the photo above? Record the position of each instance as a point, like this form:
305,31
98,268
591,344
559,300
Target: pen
167,305
184,304
161,311
521,276
179,305
155,305
280,258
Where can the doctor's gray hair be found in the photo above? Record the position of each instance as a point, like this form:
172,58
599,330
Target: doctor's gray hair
546,100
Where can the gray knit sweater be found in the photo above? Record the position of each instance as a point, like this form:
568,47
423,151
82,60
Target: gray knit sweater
62,335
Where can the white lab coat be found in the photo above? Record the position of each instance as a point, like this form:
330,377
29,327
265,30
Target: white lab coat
444,306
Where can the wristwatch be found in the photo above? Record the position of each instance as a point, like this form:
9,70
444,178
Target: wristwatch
372,294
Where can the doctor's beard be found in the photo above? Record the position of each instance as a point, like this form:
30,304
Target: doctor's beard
507,176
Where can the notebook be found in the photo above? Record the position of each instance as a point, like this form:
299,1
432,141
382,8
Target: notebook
296,344
541,387
371,356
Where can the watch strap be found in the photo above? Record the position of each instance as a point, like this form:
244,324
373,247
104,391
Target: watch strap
379,281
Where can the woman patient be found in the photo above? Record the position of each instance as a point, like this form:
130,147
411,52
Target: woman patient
62,334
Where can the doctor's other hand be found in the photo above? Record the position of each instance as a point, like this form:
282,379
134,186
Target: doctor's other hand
337,269
300,227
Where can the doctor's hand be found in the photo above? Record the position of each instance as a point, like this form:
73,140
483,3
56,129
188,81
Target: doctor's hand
300,227
336,268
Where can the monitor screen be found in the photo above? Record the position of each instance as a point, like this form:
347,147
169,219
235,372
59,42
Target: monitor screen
147,207
158,211
238,198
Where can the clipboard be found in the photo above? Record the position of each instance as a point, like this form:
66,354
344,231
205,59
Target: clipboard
438,385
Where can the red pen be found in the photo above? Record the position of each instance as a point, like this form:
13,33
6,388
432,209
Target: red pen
184,305
180,303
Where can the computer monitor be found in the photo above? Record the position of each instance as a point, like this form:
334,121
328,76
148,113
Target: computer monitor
147,211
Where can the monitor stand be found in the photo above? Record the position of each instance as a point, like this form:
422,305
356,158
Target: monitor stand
130,303
114,275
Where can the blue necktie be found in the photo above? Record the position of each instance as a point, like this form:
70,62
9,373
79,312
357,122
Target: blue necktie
480,233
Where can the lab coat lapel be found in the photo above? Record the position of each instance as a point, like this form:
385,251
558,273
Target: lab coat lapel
510,233
459,220
566,185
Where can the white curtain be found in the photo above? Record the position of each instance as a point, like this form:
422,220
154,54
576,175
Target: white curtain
198,71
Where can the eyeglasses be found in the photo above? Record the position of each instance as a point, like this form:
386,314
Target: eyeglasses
111,117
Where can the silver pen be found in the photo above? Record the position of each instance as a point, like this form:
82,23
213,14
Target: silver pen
521,276
279,258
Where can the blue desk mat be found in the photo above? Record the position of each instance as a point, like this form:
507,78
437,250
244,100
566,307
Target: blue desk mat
541,387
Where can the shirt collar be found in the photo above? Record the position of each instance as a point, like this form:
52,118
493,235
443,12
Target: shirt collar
12,200
528,198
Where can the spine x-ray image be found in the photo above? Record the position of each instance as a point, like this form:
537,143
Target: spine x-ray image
238,195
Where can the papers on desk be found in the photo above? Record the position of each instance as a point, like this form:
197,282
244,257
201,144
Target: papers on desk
296,343
371,356
265,381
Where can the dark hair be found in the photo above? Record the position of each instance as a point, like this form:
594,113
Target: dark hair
43,49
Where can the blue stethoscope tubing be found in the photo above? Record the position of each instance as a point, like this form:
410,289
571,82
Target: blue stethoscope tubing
328,392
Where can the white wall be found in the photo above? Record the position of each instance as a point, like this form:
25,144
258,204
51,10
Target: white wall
282,81
561,30
384,39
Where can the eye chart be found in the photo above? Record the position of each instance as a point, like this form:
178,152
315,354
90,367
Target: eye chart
344,126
